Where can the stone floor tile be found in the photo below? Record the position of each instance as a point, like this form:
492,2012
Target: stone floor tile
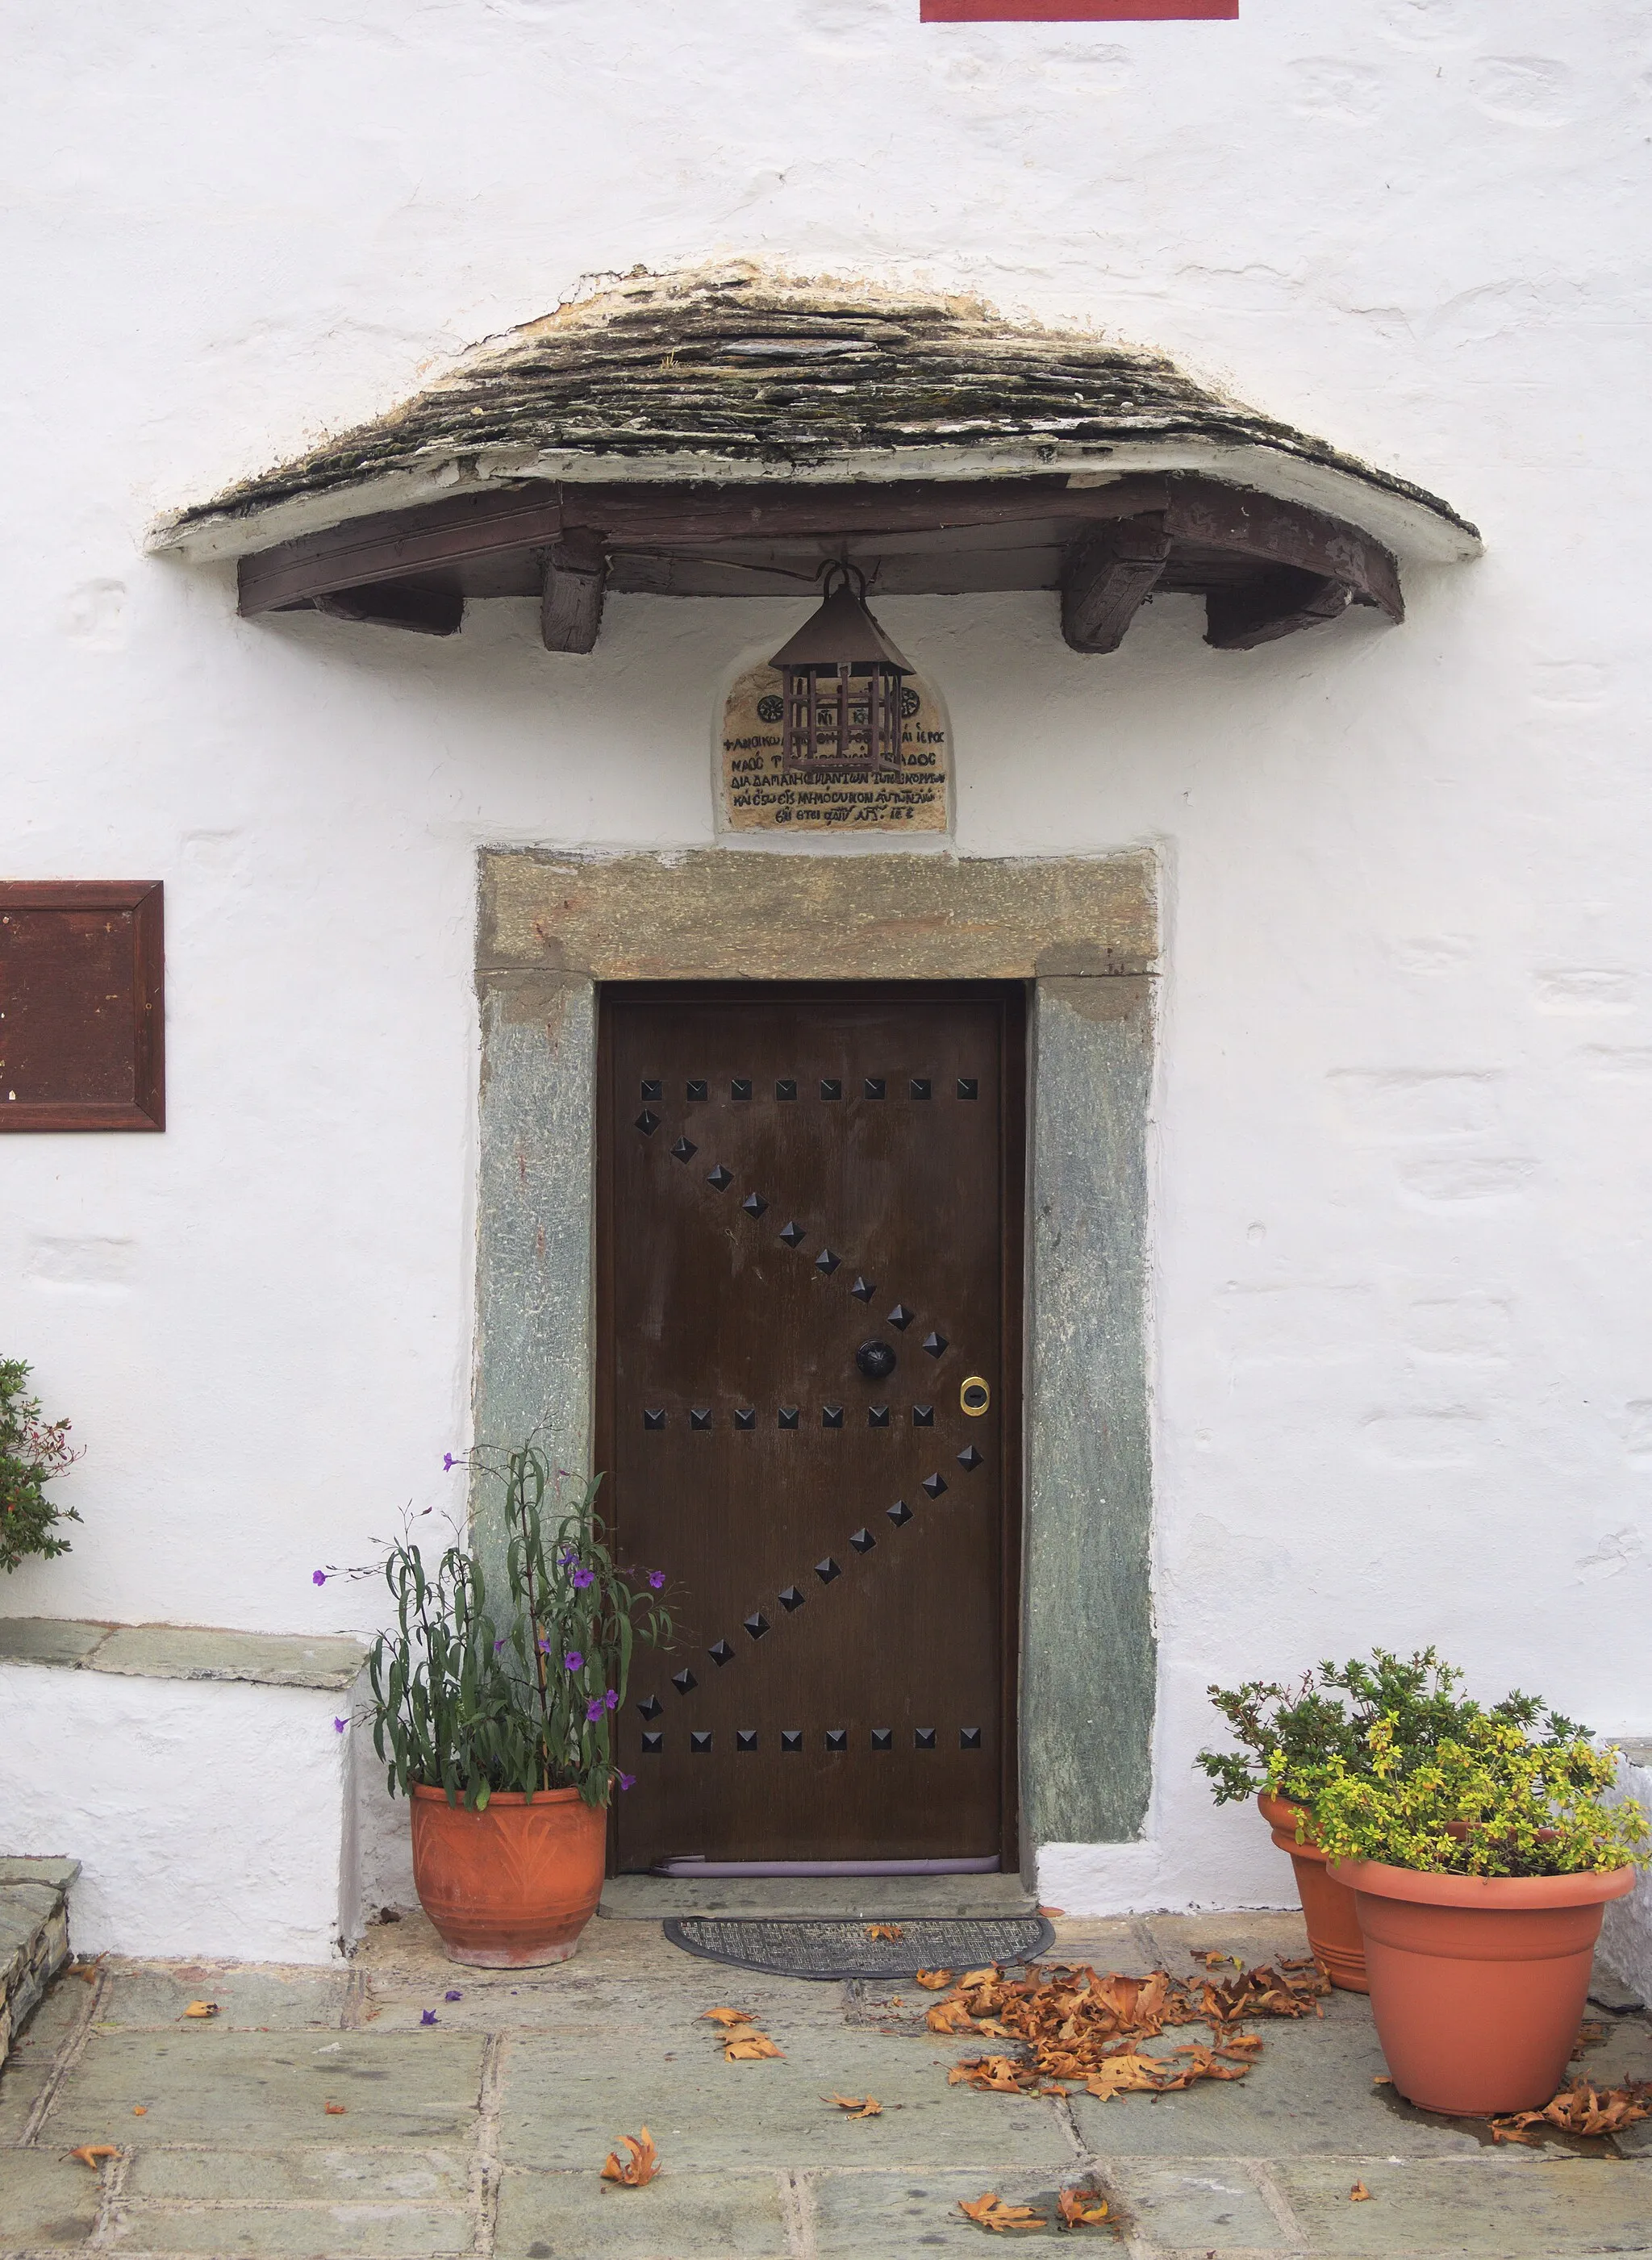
32,2054
1118,1942
256,1998
47,2202
332,2232
1311,2092
892,2216
1257,1936
686,2216
1195,2205
203,2086
1505,2208
408,2175
562,2107
596,2004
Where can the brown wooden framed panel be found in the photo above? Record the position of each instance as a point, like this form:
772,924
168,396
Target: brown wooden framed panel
845,1542
81,1015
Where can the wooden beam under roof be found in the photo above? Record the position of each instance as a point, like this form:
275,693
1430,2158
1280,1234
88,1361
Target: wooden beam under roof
1109,576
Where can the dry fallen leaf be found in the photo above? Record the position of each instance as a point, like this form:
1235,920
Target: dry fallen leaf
933,1981
1580,2109
1083,2206
93,2154
858,2107
991,2212
726,2016
749,2046
1384,2079
202,2009
87,1971
333,2110
640,2169
891,1930
1358,2195
140,2110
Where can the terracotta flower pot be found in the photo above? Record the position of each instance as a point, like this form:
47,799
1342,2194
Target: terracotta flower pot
515,1883
1334,1925
1478,1981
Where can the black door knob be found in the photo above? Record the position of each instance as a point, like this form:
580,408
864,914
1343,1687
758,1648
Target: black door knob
876,1360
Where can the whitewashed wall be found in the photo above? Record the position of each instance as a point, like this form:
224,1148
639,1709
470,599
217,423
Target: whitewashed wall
1403,1360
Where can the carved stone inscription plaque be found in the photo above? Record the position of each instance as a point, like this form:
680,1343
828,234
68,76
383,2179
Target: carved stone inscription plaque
760,794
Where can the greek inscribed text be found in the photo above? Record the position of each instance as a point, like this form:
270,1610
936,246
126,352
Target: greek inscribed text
760,794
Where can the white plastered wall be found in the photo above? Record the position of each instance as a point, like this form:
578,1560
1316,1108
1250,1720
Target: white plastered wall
1403,1371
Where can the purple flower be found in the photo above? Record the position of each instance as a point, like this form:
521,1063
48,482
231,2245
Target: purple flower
626,1780
317,1577
452,1994
447,1463
573,1660
594,1709
545,1650
656,1578
497,1645
611,1701
584,1578
338,1726
428,2016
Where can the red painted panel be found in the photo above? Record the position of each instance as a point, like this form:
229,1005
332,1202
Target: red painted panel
1079,12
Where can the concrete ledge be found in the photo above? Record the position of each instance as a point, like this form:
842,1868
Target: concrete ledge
159,1651
33,1937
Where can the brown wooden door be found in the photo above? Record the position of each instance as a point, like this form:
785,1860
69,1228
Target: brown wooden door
809,1263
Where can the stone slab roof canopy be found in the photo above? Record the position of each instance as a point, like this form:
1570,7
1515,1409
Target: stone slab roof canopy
727,432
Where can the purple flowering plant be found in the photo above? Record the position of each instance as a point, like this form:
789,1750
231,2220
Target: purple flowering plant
507,1676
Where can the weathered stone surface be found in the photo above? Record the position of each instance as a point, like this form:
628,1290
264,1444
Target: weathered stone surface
561,2109
716,914
409,2176
1191,2209
1280,2109
203,1652
534,1288
1088,1672
49,1640
252,1998
1517,2208
199,2084
574,2216
34,2049
48,2203
332,2231
59,1873
875,1897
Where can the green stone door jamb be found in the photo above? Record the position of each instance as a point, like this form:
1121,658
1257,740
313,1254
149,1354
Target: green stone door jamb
1084,932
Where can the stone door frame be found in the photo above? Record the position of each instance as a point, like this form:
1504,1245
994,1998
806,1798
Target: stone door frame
1083,932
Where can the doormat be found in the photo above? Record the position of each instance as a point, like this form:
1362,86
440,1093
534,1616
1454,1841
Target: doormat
820,1948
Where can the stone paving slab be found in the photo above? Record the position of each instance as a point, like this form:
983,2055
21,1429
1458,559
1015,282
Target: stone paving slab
1312,2090
253,1999
1519,2208
884,2216
47,2202
198,2084
404,2175
29,2066
561,2108
60,1874
687,2216
333,2232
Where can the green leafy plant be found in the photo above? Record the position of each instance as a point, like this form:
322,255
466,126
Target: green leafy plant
1488,1800
1286,1734
471,1697
34,1452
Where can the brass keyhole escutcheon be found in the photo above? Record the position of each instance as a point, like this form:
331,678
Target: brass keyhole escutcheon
974,1397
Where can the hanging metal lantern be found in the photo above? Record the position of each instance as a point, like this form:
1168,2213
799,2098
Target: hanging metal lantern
842,680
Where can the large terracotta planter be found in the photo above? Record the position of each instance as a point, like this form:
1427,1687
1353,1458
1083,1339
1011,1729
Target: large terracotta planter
512,1885
1333,1924
1478,1981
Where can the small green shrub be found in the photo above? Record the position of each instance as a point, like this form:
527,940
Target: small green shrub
471,1698
1488,1800
1285,1734
34,1452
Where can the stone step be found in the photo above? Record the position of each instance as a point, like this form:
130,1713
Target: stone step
33,1937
